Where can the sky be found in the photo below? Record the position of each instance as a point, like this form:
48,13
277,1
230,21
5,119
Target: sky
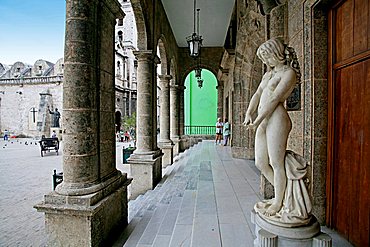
31,30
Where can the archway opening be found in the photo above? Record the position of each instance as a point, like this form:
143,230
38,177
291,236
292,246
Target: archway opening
200,104
118,120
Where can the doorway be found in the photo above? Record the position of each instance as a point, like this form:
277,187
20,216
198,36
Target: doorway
349,145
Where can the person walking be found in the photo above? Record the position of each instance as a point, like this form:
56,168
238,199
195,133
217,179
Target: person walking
6,135
226,131
219,126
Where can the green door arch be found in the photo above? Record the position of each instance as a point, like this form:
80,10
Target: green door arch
200,103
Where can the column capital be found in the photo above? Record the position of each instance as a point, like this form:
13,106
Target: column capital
164,80
174,87
181,88
146,55
165,77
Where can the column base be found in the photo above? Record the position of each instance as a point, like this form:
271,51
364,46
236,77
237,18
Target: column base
88,220
167,150
184,143
270,235
146,171
176,148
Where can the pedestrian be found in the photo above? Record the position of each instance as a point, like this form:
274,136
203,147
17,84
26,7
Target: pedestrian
132,133
127,136
6,135
226,131
121,135
219,126
117,136
53,135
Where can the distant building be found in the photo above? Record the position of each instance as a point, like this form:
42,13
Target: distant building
125,64
26,91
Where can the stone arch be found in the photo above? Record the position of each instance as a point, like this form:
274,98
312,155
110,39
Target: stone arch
141,25
173,72
192,67
163,54
118,120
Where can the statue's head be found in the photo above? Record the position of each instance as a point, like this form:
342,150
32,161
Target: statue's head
271,48
56,109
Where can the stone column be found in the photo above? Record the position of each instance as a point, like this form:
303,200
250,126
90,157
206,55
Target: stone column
129,102
267,239
220,101
164,134
174,121
146,161
91,202
184,140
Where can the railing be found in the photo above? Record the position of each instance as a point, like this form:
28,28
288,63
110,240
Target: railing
200,130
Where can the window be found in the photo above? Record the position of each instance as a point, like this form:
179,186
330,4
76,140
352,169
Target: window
120,36
120,22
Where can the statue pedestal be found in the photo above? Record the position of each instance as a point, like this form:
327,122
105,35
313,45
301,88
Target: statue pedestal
270,235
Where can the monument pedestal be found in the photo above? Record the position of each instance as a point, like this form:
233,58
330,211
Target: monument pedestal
270,235
146,169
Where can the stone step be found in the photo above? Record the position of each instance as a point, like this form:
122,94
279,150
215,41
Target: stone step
149,210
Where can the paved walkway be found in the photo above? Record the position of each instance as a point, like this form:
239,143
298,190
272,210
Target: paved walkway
204,199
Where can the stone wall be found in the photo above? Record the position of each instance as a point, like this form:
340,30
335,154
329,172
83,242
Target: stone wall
19,97
245,74
303,26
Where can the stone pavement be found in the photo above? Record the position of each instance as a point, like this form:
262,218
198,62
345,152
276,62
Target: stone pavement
204,199
25,177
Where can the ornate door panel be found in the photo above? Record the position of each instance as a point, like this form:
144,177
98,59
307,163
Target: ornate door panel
349,162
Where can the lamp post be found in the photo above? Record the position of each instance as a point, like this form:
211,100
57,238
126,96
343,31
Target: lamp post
195,44
195,40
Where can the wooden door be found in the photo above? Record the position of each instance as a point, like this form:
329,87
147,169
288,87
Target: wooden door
349,140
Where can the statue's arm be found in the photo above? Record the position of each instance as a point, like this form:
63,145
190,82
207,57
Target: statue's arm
282,90
252,106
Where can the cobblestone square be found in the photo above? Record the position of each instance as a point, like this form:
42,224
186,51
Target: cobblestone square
25,177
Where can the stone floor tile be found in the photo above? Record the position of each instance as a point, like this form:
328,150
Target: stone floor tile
170,218
181,236
186,213
162,241
206,231
154,224
236,235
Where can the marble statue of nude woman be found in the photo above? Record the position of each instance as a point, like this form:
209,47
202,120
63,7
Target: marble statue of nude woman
272,122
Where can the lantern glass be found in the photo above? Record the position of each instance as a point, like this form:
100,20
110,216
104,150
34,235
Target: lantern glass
198,72
194,43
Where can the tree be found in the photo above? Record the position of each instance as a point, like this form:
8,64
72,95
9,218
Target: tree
129,121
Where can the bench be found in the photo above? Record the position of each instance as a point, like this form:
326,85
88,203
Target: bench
48,144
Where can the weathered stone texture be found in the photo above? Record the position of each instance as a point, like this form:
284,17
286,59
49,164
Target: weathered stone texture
18,100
